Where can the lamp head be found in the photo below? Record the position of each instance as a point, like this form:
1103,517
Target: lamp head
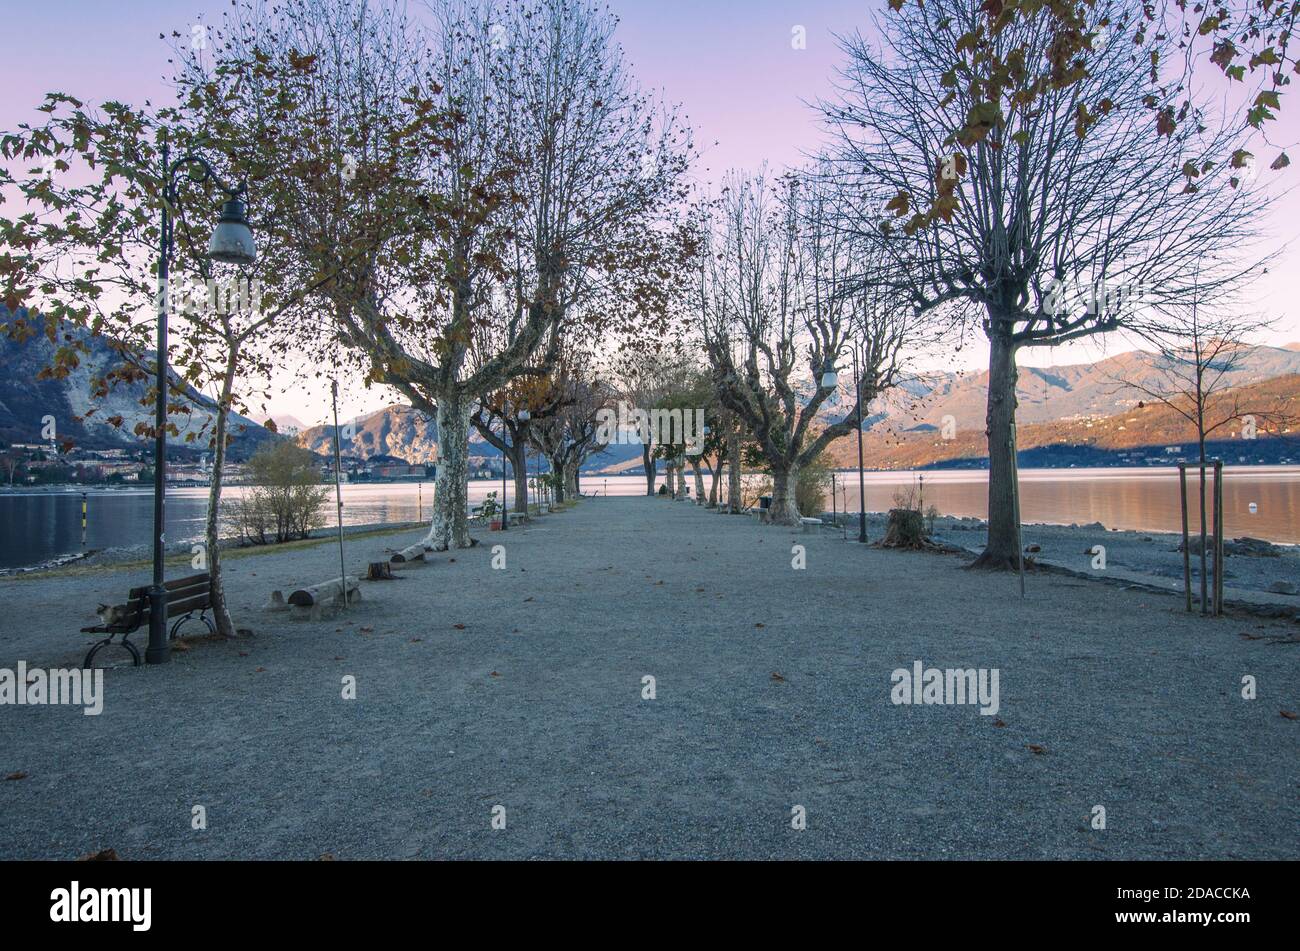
232,239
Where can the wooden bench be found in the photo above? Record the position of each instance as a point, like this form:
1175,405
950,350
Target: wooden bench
185,597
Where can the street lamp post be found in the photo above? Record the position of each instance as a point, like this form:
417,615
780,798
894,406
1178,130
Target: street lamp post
524,416
862,488
231,243
505,455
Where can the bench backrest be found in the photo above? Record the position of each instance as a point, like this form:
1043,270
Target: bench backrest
183,596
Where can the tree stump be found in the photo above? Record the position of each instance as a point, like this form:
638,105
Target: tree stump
379,571
906,529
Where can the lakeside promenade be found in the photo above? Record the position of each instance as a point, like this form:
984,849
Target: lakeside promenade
524,687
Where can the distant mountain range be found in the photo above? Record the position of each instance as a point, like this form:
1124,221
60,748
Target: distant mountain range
1060,409
412,435
1142,434
26,400
1080,410
1060,393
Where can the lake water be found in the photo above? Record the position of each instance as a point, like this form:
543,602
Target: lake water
39,525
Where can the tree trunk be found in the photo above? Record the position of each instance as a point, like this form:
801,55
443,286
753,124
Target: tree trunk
1000,552
450,526
557,469
211,536
735,501
715,466
699,482
648,463
1204,532
519,462
571,480
785,508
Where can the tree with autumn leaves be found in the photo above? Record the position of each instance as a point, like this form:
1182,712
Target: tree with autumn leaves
496,169
1034,209
82,256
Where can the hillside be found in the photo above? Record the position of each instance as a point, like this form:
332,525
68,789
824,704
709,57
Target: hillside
1072,391
25,400
409,434
1137,436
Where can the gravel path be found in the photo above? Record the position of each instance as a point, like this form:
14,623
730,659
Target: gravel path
522,688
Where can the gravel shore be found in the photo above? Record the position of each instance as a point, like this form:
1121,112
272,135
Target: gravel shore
522,687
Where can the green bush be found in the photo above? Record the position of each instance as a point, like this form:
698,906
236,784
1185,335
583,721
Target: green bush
810,490
284,499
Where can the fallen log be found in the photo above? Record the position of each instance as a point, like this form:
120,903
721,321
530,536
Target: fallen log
328,592
410,553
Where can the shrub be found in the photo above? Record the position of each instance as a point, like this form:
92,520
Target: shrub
810,490
284,499
931,514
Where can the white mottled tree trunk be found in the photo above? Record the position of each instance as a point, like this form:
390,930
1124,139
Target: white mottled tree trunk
450,526
212,528
735,501
785,508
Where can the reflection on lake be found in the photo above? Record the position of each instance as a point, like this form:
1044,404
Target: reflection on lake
40,524
1144,500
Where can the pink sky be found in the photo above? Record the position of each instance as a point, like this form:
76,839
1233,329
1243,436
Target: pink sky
729,64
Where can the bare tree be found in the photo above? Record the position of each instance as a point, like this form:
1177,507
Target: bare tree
572,434
11,461
643,374
1032,230
781,294
1199,355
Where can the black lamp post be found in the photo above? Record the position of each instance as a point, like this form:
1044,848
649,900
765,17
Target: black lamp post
231,243
523,417
862,488
505,455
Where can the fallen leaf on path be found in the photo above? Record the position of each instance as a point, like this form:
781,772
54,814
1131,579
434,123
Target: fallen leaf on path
459,627
180,646
999,722
367,630
416,640
1289,715
760,625
1036,749
494,674
777,677
260,670
18,775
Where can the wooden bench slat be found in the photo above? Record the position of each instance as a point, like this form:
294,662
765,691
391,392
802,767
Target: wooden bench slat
185,607
176,584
